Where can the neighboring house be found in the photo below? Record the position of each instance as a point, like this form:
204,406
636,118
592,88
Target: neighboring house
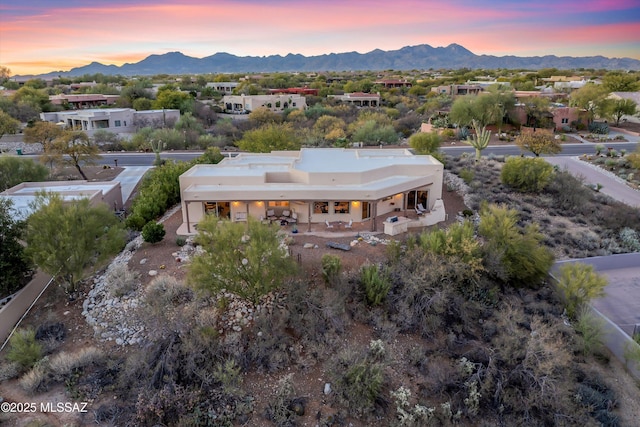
391,83
277,103
457,90
561,116
77,102
633,96
314,185
359,99
295,90
116,120
565,83
223,87
107,192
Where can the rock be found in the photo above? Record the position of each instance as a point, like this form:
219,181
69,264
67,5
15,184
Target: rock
119,341
153,273
143,261
327,388
308,246
237,328
66,313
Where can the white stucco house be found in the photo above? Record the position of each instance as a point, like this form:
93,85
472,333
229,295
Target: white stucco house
116,120
276,103
314,186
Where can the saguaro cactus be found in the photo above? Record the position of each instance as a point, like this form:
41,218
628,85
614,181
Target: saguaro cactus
480,140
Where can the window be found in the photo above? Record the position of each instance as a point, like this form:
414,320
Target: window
321,207
565,120
341,207
117,123
278,204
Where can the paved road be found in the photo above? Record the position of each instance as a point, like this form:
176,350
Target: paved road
612,186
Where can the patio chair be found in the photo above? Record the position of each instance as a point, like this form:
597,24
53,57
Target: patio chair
293,219
418,211
421,208
271,215
327,223
349,224
286,214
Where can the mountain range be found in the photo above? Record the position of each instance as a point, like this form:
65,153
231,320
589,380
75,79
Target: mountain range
420,57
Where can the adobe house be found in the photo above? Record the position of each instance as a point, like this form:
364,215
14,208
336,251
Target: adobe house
314,186
107,192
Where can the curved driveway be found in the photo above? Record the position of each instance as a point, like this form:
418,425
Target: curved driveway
611,186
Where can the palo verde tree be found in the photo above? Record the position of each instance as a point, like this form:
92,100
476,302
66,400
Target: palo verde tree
579,283
15,170
615,109
8,125
248,259
44,133
513,254
73,148
425,142
538,142
67,238
269,137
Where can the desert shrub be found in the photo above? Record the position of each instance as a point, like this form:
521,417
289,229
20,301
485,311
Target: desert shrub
120,280
578,284
166,291
630,239
456,241
569,192
376,284
64,364
153,232
35,379
331,266
599,128
24,349
524,261
159,190
590,332
526,174
359,382
9,370
467,175
284,407
181,241
51,331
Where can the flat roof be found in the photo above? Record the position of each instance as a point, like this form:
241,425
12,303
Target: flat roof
23,195
312,160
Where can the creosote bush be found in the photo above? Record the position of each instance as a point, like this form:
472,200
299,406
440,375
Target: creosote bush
526,174
153,232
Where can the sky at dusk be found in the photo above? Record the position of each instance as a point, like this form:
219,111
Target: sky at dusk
49,35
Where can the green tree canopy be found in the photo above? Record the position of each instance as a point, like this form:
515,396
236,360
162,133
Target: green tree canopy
14,170
66,238
617,108
270,137
425,142
74,148
14,267
520,258
8,125
616,81
248,259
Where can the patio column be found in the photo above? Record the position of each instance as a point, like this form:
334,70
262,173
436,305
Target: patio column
374,214
309,216
186,211
404,202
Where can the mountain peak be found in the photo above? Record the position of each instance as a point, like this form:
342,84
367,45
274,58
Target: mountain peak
422,56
